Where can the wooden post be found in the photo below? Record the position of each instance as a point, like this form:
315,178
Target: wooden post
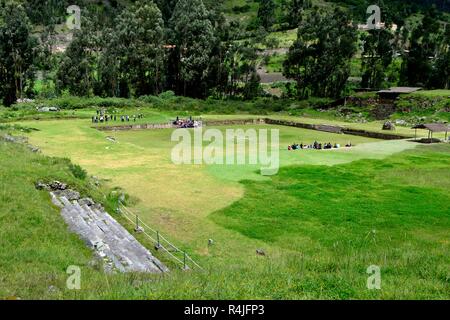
137,222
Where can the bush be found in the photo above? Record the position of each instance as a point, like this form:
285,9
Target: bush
77,171
167,95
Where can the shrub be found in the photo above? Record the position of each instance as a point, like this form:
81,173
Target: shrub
167,95
77,171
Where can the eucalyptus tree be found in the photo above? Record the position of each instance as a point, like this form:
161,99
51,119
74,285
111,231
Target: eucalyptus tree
266,13
377,55
192,35
17,53
135,54
319,59
77,71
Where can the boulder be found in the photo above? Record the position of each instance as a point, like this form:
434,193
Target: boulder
401,122
260,252
41,186
56,185
86,201
388,126
69,194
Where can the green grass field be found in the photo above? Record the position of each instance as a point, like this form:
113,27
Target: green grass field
322,220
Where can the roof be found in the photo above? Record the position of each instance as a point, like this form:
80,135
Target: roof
434,127
399,90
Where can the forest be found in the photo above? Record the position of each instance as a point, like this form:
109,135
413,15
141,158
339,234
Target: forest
204,49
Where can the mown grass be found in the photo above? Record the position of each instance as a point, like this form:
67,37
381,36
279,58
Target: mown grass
321,227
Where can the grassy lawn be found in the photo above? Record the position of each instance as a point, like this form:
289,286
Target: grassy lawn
322,220
432,93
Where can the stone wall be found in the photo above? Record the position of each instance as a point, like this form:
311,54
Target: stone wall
137,127
318,127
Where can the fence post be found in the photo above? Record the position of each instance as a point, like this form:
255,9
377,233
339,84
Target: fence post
137,222
184,260
158,245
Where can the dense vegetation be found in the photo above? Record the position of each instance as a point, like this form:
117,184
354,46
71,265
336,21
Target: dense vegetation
200,49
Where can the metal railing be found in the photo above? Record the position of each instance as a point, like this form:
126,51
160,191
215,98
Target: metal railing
161,243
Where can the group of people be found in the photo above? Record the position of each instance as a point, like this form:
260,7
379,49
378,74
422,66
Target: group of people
317,146
187,123
102,117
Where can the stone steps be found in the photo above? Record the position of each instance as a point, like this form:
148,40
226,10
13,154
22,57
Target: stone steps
110,240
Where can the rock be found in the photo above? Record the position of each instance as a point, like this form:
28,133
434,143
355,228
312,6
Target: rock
41,186
56,185
388,126
112,139
34,149
24,100
71,195
97,206
13,139
52,289
86,201
96,181
260,252
48,109
210,242
400,122
44,109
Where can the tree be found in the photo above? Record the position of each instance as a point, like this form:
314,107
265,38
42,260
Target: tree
77,70
376,57
319,60
293,11
17,53
440,73
46,12
192,33
266,13
166,7
135,54
419,59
